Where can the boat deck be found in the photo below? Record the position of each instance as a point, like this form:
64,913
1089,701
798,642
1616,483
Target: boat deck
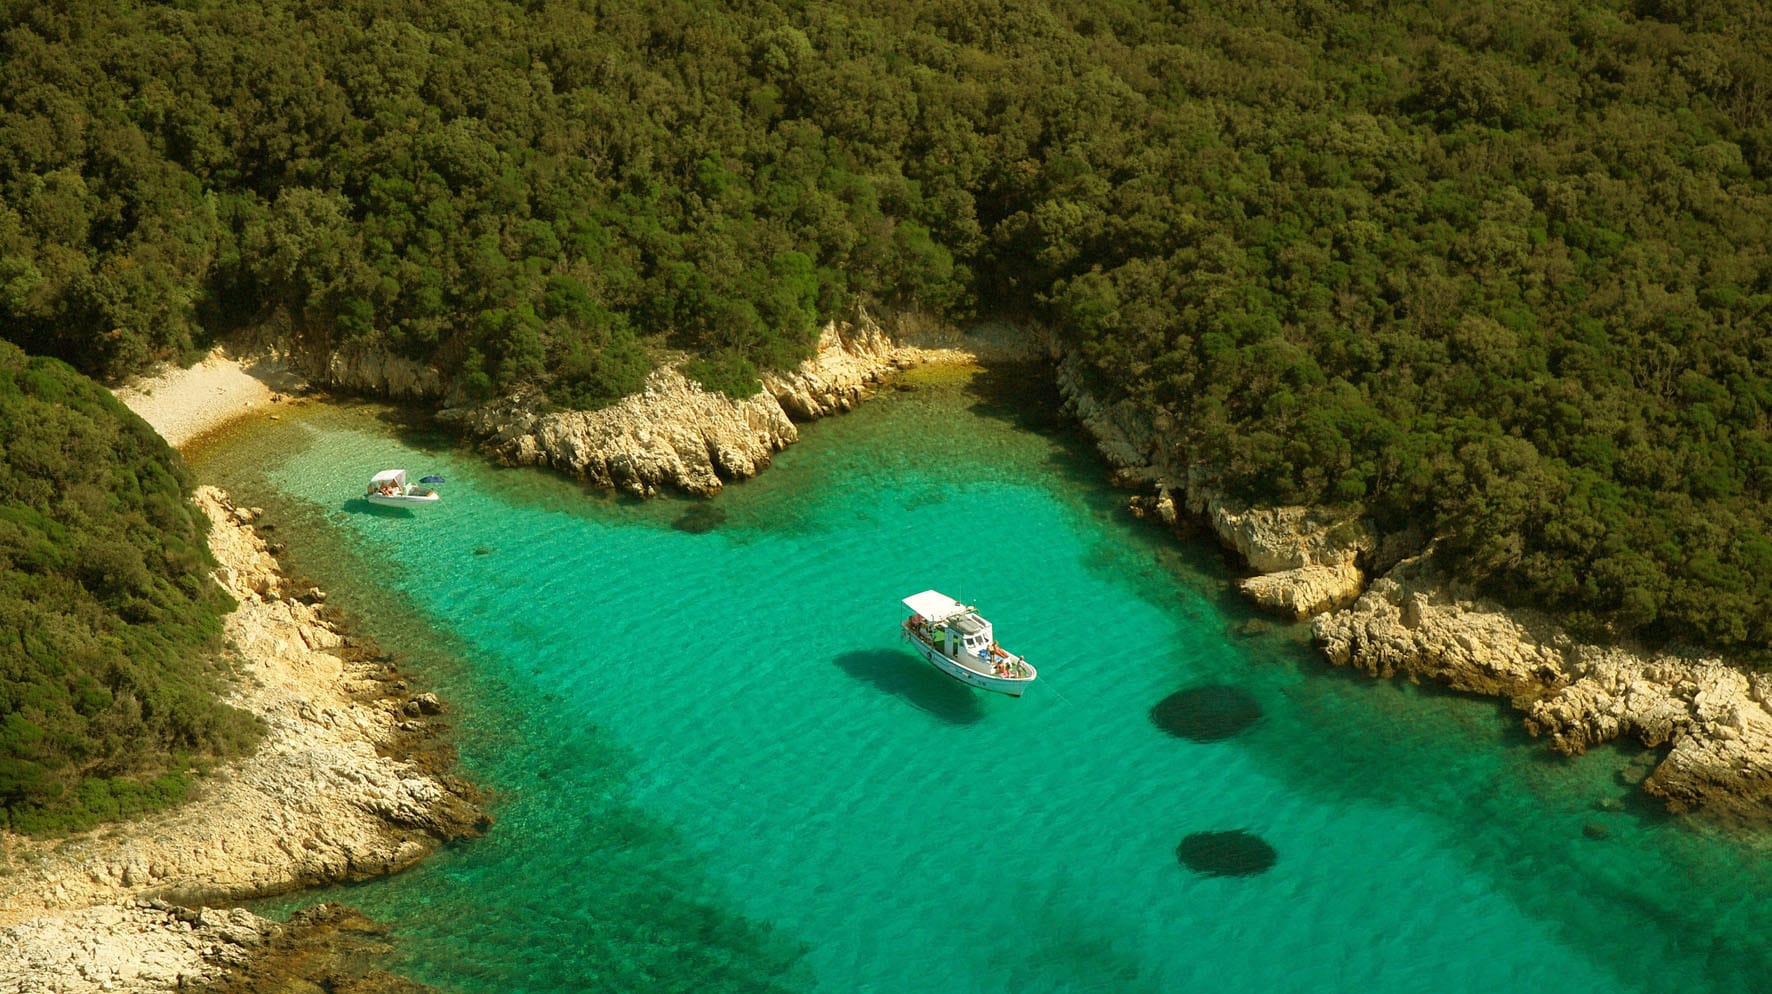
968,660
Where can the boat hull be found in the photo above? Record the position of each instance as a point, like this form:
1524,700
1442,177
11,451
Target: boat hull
1012,686
400,500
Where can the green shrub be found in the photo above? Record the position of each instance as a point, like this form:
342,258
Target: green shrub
109,622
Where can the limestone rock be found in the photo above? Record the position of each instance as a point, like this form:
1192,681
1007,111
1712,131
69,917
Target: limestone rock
675,434
375,370
1712,716
850,359
1277,539
129,946
1125,435
672,433
1308,557
1305,591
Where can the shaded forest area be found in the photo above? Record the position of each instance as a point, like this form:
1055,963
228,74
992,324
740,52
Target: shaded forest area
1496,271
109,622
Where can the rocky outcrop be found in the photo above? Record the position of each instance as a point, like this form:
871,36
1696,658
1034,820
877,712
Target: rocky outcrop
674,434
1713,718
1306,591
347,783
150,945
849,360
1307,559
1135,442
145,946
1410,624
374,370
671,434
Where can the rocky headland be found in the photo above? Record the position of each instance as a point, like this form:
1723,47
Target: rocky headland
675,435
350,781
1379,607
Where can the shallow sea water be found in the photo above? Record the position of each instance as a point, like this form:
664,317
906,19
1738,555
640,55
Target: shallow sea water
717,768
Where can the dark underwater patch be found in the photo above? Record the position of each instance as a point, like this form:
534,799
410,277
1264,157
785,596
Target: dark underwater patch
1208,713
700,518
1226,854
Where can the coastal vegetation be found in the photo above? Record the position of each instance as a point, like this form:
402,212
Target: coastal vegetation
1493,274
109,622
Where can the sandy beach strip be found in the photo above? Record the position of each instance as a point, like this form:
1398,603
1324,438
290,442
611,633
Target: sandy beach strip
183,405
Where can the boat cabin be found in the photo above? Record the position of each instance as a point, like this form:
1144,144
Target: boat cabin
949,624
974,634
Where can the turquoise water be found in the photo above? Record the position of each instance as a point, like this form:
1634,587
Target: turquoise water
717,768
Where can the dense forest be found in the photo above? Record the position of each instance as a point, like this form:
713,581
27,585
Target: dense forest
1495,271
109,621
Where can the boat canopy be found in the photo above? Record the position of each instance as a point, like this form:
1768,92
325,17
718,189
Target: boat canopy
394,476
935,607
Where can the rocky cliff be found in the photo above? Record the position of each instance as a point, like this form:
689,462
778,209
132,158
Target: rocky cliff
348,783
352,367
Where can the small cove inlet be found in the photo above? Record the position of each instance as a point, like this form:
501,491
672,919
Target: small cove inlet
719,769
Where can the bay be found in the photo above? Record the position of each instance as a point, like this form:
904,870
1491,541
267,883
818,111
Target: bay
717,768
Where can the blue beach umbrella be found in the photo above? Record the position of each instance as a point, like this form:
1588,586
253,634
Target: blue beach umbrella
431,479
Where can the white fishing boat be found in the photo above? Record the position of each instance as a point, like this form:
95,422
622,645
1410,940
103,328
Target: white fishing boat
957,640
390,489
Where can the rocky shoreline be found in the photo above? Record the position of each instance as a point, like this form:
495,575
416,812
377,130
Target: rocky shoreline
351,781
1712,718
675,435
1377,608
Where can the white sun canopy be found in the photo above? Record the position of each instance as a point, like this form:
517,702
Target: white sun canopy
390,476
935,606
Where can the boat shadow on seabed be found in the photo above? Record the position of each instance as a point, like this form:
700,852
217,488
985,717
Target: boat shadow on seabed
905,676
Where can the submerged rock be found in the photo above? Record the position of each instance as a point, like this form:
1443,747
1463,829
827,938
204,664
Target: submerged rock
1226,854
1207,713
700,518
